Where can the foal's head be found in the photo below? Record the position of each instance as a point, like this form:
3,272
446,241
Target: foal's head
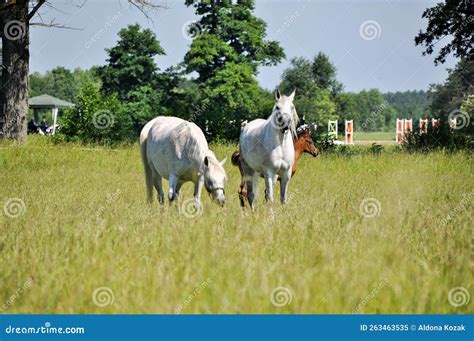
304,142
215,178
284,116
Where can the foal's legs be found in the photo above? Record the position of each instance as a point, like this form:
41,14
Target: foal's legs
285,180
248,175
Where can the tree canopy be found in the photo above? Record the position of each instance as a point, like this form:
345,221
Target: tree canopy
130,64
228,47
451,19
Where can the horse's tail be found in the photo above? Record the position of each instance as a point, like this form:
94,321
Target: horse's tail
236,158
146,166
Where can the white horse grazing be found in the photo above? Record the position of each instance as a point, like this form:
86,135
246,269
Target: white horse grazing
266,147
177,150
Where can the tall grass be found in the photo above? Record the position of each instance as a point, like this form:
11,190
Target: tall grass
85,225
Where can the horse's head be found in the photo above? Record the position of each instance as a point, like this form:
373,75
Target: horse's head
305,141
215,178
284,116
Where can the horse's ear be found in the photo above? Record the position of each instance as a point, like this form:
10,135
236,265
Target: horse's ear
206,162
277,94
292,96
223,161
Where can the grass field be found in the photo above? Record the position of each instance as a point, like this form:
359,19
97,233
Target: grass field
376,136
367,234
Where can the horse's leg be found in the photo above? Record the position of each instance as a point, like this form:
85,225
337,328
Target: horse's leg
250,190
198,190
178,189
285,180
242,189
157,182
173,183
248,181
269,183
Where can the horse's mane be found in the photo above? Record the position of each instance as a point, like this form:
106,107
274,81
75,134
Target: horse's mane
294,123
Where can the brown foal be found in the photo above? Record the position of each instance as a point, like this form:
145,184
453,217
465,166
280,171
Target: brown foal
303,144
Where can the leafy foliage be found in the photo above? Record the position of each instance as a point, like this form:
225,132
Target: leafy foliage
96,118
452,18
454,91
60,82
225,53
442,137
413,104
130,64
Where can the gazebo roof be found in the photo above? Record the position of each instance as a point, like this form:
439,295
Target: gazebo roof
48,102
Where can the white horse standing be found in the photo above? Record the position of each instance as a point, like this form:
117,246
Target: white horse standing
266,146
177,150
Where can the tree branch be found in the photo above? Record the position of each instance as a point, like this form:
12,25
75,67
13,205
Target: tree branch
35,9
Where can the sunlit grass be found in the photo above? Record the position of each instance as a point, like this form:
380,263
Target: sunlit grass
376,136
87,225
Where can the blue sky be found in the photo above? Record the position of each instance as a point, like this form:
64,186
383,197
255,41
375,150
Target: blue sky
371,42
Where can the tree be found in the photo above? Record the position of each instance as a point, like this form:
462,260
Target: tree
316,87
60,82
96,118
228,47
414,104
452,18
130,64
15,21
298,76
14,30
371,110
324,73
454,91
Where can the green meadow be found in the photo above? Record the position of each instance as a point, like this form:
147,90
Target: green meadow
388,233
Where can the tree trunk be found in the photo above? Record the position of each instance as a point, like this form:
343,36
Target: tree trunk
15,66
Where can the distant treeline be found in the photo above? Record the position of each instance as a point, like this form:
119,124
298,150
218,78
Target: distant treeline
130,89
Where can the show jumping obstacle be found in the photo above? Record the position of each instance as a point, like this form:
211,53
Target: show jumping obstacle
332,129
423,126
349,132
403,128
